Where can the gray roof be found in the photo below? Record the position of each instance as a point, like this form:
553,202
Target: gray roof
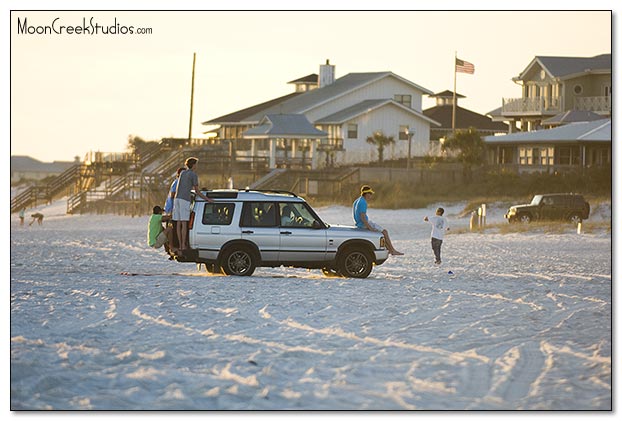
566,66
22,163
586,131
367,106
572,116
290,126
342,86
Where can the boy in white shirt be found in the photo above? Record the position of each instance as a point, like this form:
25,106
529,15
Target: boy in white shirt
439,226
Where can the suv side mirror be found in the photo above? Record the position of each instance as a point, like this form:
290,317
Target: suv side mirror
316,225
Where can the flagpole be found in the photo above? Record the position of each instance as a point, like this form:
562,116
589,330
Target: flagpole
453,114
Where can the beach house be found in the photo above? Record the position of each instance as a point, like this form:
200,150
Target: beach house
553,85
339,115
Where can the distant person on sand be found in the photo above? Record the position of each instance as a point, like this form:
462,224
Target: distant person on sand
439,226
359,210
157,235
21,216
188,180
36,217
168,205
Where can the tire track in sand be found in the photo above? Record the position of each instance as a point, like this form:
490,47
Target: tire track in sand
210,334
455,357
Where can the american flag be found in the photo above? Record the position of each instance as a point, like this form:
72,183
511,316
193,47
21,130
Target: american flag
464,66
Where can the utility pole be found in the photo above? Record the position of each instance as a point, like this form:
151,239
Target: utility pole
194,58
453,110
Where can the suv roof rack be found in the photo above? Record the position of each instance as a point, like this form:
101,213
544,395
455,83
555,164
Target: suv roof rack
272,191
233,193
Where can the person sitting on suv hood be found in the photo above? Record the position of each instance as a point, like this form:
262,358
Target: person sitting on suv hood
359,208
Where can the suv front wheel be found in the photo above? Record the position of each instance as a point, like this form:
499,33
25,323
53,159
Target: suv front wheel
575,219
354,263
238,261
525,218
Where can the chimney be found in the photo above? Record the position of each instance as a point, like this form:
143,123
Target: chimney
327,74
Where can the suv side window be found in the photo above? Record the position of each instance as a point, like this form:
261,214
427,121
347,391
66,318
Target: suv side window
578,201
218,213
295,215
259,214
547,201
560,200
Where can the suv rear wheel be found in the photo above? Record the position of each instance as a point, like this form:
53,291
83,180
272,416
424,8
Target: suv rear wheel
354,263
238,261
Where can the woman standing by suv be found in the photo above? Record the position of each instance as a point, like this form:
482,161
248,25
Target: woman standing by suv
188,180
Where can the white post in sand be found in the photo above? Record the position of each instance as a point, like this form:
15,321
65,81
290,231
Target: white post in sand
483,214
579,226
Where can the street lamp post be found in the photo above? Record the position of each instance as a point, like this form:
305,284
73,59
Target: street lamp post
410,132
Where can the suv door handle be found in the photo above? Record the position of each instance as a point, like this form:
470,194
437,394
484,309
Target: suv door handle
248,232
286,232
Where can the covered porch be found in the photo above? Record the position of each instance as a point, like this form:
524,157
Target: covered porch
287,140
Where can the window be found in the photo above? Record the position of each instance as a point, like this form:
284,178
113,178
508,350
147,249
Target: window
568,155
258,214
578,89
550,156
353,131
525,156
296,215
602,156
547,201
404,99
506,156
218,213
607,90
543,156
564,156
402,133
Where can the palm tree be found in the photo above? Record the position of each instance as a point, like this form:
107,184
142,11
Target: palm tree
471,149
380,141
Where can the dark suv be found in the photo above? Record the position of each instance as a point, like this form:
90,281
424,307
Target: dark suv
561,206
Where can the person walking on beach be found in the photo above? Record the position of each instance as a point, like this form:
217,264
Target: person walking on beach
359,210
157,235
188,180
439,226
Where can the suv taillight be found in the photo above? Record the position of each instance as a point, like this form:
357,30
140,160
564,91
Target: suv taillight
191,221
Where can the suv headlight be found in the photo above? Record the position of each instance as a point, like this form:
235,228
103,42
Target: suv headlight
511,211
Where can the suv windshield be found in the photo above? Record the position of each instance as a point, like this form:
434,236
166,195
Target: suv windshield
536,199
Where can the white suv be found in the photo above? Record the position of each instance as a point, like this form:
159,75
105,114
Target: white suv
244,229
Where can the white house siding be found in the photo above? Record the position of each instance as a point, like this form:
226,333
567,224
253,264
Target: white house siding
386,119
385,88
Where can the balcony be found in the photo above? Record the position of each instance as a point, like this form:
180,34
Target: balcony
532,106
330,144
596,104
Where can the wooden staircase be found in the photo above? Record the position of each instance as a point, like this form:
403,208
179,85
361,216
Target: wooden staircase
59,185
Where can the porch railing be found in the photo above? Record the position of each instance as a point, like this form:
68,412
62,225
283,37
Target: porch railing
598,104
537,105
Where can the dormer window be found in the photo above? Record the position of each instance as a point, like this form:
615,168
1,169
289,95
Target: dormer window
404,99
